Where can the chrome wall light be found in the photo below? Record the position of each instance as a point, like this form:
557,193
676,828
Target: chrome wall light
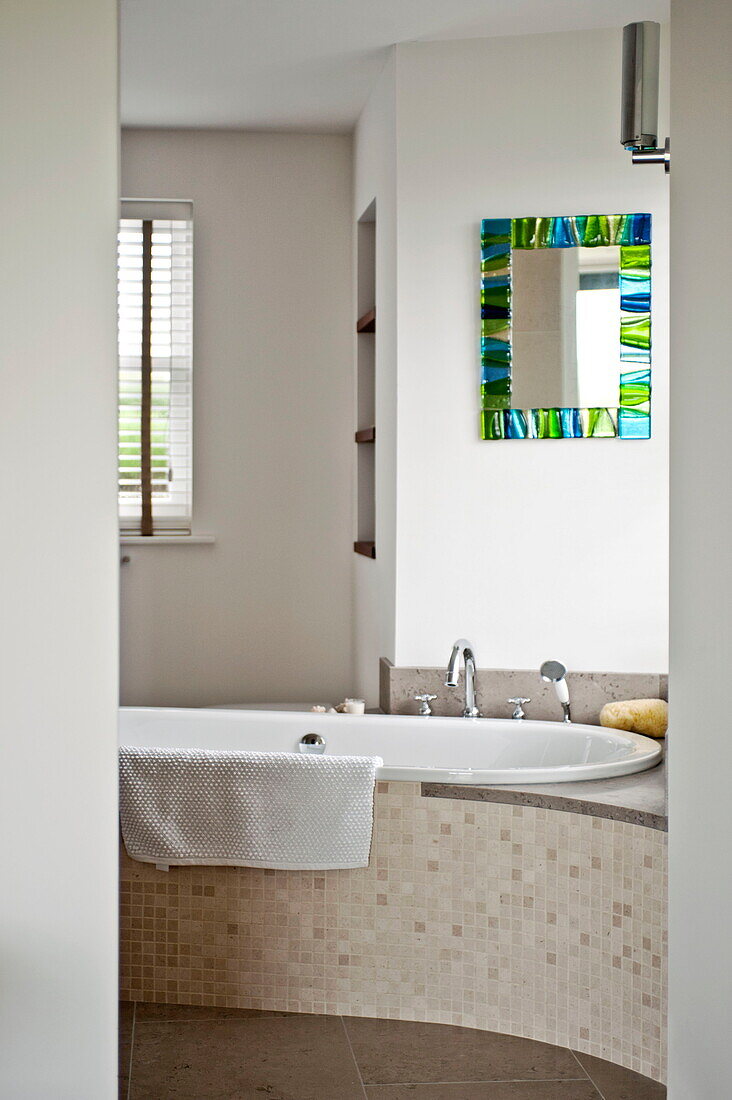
639,113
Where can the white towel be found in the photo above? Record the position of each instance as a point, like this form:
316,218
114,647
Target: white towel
251,809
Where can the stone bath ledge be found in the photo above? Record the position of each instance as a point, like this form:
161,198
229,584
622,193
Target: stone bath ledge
638,799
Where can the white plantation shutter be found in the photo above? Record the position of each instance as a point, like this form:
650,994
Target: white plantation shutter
155,300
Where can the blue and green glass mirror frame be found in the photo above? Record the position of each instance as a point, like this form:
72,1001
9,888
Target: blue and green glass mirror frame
631,418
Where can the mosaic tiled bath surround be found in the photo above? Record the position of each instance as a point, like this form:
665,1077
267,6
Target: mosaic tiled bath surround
536,922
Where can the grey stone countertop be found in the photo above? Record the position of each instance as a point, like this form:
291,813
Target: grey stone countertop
639,799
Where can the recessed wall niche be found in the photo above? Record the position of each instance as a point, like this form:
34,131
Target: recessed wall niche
365,435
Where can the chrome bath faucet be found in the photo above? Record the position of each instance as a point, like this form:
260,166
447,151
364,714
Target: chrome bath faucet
463,648
518,709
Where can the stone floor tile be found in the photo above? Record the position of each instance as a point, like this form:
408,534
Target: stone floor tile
617,1083
513,1090
393,1051
297,1057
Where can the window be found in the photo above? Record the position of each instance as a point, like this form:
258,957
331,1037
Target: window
155,299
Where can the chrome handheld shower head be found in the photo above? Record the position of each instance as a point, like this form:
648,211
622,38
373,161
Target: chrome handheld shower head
554,672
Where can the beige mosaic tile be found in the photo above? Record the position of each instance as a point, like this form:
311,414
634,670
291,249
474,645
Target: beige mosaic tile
535,922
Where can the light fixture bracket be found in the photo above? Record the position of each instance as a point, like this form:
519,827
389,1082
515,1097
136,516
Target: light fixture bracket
653,155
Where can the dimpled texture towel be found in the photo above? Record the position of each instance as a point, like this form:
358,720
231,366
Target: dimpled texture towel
250,809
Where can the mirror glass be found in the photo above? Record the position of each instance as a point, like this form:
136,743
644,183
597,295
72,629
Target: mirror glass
565,313
566,327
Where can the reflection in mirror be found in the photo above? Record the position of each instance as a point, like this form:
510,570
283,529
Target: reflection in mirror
566,326
565,307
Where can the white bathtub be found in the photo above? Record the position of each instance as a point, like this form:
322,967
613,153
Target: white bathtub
449,750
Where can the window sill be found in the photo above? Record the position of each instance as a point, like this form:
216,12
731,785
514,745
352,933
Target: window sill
165,540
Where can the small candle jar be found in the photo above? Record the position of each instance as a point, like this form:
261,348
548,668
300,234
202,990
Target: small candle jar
354,706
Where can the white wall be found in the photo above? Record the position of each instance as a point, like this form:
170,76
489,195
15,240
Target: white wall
264,613
701,565
531,549
58,581
374,581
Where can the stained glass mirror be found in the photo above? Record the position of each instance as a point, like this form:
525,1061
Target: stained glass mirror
566,327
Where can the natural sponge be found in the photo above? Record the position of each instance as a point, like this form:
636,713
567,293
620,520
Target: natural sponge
648,716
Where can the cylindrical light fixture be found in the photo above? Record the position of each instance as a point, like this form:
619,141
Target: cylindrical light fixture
639,108
639,113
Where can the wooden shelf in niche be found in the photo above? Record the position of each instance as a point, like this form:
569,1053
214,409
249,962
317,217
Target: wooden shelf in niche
367,323
368,549
366,435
